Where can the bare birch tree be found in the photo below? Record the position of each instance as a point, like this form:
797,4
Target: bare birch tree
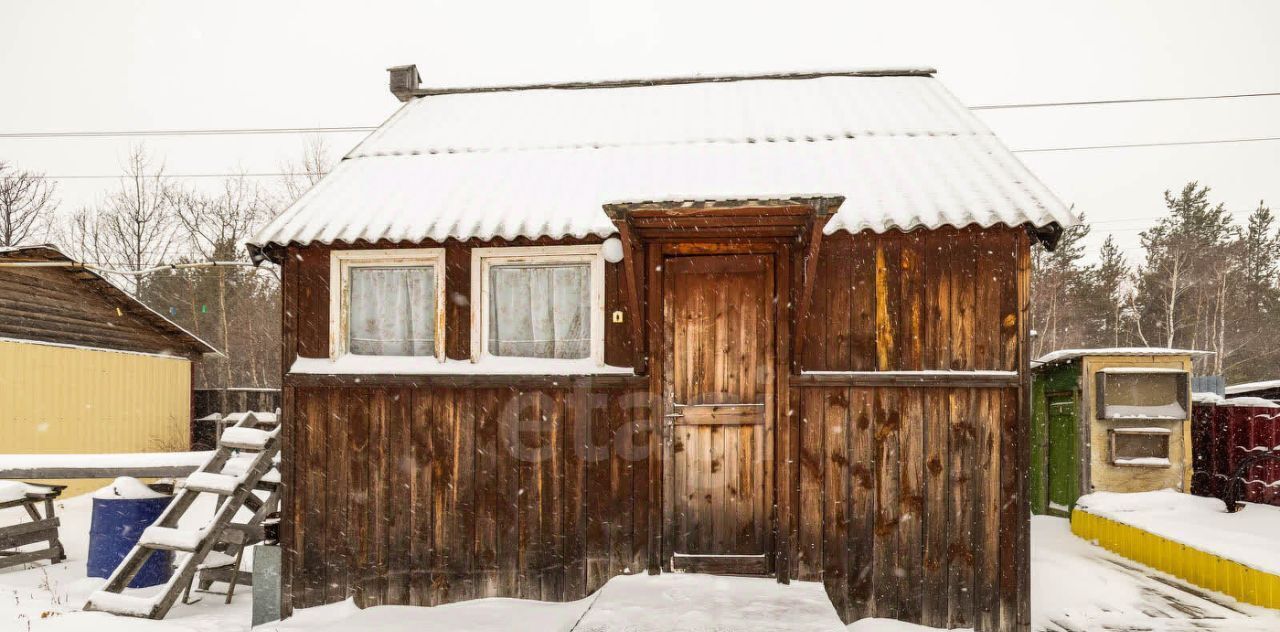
136,226
27,205
314,163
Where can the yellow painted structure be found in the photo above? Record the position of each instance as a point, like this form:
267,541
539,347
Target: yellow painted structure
1193,565
1103,476
58,399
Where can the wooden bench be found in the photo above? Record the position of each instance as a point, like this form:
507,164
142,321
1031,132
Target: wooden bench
42,528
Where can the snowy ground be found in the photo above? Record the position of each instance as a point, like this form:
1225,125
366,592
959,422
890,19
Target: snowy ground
1075,587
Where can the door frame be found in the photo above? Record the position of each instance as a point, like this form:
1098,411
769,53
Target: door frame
790,228
771,378
660,400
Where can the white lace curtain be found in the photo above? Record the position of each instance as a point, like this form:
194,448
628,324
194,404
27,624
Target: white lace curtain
392,311
540,311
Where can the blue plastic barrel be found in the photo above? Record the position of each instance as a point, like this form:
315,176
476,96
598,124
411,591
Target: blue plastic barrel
115,528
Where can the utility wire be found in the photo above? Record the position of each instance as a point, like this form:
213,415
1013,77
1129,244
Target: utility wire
194,132
174,175
1011,106
107,270
1257,139
349,129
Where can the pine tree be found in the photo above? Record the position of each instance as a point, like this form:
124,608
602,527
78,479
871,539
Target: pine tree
1105,290
1187,268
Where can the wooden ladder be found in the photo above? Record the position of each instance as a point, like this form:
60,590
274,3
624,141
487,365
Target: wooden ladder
234,489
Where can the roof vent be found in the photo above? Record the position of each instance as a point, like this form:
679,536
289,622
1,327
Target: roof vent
404,81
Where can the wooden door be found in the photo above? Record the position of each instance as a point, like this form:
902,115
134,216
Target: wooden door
719,412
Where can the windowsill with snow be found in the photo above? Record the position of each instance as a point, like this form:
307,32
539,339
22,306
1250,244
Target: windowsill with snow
1160,412
352,364
1247,536
1142,461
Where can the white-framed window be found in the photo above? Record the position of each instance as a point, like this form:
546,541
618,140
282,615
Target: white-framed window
387,303
537,302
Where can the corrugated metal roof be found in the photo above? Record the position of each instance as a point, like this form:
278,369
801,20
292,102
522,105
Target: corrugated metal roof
541,162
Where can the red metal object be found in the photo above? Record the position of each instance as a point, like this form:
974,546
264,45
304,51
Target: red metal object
1222,438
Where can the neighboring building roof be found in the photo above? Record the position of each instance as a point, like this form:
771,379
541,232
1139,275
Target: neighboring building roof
1218,400
1064,355
542,160
49,253
1251,387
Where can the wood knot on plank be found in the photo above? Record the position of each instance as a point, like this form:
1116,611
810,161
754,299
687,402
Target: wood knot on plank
862,475
935,466
959,554
887,526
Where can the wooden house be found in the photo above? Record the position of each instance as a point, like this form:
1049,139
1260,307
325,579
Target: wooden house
539,336
1115,420
85,367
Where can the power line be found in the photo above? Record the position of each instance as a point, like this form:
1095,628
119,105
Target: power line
349,129
1016,151
194,132
1258,139
174,175
1011,106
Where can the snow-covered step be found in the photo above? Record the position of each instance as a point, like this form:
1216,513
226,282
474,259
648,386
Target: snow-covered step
173,539
216,559
245,438
223,484
116,603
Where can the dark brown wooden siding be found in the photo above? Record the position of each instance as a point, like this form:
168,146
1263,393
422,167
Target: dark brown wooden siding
906,498
903,510
925,300
422,496
50,305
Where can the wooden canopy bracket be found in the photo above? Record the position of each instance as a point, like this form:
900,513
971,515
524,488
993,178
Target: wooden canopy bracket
799,221
810,244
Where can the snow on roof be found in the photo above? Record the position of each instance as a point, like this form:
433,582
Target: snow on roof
1249,387
541,161
1071,354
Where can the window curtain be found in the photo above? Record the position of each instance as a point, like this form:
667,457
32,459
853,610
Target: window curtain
392,311
540,311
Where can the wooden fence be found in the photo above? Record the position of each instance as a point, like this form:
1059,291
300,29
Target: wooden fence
209,402
1222,438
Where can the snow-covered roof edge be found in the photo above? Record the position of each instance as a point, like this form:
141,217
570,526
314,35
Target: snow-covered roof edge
1252,386
51,252
1070,354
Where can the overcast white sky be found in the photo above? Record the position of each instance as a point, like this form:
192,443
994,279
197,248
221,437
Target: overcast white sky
113,65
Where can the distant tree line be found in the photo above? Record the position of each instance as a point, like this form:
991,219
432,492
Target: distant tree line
1206,283
150,219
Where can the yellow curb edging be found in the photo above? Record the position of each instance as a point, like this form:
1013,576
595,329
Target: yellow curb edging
1193,565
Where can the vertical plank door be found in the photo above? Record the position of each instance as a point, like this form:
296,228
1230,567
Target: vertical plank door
718,385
